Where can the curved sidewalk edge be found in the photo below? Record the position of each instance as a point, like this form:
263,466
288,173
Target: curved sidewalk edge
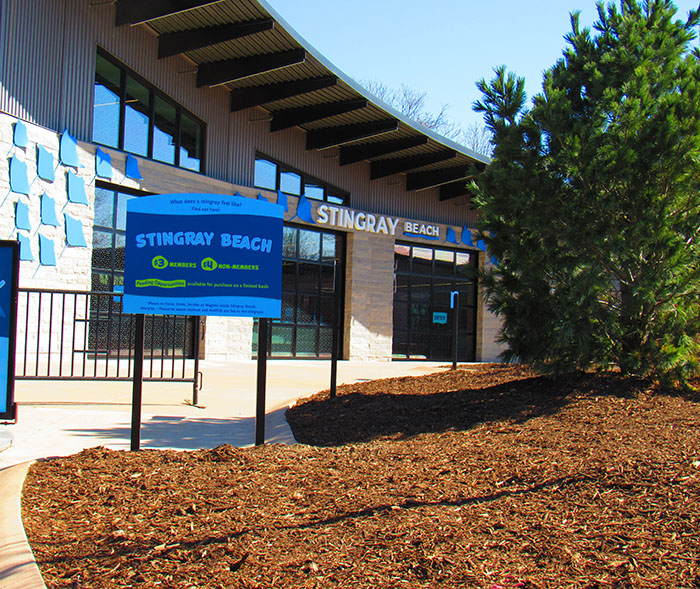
18,569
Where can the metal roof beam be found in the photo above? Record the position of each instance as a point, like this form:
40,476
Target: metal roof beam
134,12
357,153
182,41
332,136
214,73
242,98
423,180
284,119
454,190
383,168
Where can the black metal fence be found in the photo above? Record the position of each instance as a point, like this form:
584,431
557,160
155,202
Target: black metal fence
84,335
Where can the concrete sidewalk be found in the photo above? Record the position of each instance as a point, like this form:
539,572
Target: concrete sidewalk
57,418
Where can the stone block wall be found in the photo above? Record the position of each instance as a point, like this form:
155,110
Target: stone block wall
73,264
488,327
228,338
369,297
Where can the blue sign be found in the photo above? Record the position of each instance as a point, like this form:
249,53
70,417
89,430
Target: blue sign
440,318
203,254
9,273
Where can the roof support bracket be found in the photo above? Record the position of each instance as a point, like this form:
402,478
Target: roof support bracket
383,168
454,190
242,98
332,136
219,72
423,180
365,151
134,12
182,41
284,119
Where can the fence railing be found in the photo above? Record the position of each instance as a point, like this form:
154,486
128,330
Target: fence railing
85,335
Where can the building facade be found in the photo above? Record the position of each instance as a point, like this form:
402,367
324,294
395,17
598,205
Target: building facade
102,102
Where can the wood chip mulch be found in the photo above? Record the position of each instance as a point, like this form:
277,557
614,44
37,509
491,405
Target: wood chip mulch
489,477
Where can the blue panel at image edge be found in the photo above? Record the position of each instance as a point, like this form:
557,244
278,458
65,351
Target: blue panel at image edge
47,251
48,211
22,216
25,248
4,355
103,164
68,151
20,138
45,169
132,168
19,176
76,189
74,232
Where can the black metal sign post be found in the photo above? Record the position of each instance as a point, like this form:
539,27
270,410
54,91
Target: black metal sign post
334,360
337,322
455,326
9,283
137,385
263,329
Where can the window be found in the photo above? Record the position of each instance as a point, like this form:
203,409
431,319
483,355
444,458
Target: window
131,115
424,279
271,175
109,330
310,261
109,237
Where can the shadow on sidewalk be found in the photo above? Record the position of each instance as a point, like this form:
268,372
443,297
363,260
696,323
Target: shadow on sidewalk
189,433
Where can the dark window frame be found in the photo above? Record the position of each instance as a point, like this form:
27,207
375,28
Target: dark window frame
112,229
409,335
293,323
328,189
153,92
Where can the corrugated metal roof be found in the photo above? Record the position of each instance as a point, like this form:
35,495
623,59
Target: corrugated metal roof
281,37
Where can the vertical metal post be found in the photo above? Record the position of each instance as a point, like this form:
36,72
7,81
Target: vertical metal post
263,328
455,327
137,384
337,322
196,336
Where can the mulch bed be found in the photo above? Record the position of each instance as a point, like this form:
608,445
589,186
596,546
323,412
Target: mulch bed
489,477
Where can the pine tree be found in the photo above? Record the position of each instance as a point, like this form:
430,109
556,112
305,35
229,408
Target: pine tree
592,202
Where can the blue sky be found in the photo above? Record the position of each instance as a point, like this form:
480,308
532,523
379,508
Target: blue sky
441,47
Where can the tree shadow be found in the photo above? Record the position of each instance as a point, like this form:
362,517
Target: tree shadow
355,417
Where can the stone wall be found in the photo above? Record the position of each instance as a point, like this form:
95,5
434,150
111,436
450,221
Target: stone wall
228,338
73,264
488,327
369,297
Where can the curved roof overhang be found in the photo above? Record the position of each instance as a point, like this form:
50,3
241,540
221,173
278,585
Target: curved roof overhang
245,46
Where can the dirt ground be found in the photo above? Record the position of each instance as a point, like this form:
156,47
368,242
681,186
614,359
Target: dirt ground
489,477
